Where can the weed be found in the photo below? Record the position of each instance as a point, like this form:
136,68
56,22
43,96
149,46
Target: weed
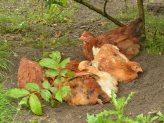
55,68
117,115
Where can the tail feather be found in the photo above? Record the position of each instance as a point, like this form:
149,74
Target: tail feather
134,27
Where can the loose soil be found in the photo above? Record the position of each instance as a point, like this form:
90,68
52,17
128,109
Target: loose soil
149,85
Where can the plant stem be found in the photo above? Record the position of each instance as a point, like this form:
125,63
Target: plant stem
42,35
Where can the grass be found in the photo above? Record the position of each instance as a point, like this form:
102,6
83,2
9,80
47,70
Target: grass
7,111
4,56
12,23
35,24
65,41
154,23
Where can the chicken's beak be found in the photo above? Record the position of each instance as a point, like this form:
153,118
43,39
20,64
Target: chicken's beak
140,70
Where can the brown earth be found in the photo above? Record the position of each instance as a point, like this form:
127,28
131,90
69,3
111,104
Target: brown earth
149,85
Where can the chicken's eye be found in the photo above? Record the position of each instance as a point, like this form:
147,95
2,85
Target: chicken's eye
115,54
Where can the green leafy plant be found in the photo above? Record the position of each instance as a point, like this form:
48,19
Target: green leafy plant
32,93
117,115
59,10
55,68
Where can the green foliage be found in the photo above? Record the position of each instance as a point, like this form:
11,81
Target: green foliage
4,56
59,10
60,94
35,104
32,87
17,93
154,44
7,110
56,67
21,18
12,23
117,115
35,24
30,95
57,2
161,116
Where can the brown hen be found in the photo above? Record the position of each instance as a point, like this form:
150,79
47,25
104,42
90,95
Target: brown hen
85,90
125,38
29,71
109,59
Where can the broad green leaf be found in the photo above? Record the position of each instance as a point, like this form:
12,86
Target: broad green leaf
17,93
46,84
48,63
55,55
46,95
35,105
64,62
53,90
63,72
60,94
32,87
59,79
51,73
24,101
70,74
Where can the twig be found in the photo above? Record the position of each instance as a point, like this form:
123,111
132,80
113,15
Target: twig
105,4
100,12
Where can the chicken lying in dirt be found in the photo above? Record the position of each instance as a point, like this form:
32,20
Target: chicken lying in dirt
85,90
105,79
125,38
29,71
109,59
90,86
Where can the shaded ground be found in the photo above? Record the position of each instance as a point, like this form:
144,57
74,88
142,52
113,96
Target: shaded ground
149,86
